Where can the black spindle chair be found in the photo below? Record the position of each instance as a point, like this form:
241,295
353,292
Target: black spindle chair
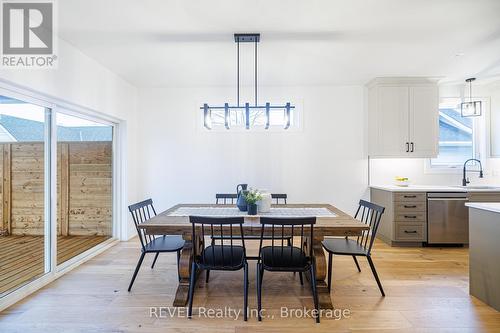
225,198
370,214
223,255
141,212
283,257
220,198
278,197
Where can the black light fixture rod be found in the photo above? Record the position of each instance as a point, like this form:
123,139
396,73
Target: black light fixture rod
255,72
470,87
238,71
470,91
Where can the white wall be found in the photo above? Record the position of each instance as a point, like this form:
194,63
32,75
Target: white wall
181,162
83,81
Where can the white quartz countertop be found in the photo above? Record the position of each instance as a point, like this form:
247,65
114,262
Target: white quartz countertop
489,206
433,188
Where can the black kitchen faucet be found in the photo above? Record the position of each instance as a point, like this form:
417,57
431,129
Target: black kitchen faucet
465,180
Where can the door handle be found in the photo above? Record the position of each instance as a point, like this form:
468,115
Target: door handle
412,147
447,199
410,206
407,147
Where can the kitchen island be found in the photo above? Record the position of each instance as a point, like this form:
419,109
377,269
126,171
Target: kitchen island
484,252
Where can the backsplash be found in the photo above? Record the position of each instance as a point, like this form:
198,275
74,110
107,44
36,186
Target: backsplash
383,171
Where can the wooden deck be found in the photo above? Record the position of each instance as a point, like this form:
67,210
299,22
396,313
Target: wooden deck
22,257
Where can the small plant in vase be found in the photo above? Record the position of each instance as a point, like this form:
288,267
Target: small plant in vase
251,197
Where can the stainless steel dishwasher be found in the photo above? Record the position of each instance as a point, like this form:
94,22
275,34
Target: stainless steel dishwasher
447,218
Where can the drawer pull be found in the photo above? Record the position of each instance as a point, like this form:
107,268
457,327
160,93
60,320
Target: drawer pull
410,216
410,196
410,232
410,206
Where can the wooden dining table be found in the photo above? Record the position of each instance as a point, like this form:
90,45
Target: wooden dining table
330,221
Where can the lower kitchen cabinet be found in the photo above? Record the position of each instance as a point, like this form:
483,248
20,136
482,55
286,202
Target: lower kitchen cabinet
405,221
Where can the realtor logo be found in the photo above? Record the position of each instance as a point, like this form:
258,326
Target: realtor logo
28,34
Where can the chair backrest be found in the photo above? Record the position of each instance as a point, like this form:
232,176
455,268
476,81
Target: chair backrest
225,198
278,197
370,214
281,229
141,212
222,232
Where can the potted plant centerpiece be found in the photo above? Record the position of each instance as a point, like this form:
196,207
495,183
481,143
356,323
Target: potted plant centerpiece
251,197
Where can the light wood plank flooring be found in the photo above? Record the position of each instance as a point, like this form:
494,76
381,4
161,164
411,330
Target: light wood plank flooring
22,257
427,291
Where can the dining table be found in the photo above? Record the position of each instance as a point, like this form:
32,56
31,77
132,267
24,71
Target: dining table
330,221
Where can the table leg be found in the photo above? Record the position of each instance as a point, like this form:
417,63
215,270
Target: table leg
182,293
325,301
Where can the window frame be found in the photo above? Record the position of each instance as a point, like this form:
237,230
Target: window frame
479,141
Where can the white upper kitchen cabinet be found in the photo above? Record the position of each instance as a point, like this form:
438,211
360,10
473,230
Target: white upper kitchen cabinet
403,117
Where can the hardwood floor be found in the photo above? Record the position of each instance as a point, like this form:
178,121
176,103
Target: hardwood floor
22,257
426,288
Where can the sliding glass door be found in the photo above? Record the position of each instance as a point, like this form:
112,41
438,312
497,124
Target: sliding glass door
84,185
24,170
56,188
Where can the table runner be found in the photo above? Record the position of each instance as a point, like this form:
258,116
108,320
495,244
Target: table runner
233,211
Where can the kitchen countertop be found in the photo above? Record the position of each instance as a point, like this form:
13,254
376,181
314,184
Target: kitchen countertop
489,206
433,188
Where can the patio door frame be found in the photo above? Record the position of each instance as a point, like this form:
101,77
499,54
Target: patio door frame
57,105
116,226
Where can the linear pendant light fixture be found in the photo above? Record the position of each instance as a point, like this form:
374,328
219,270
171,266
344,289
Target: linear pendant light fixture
247,108
470,108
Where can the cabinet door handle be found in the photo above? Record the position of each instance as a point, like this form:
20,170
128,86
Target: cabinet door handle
410,206
410,216
410,196
412,147
410,232
407,147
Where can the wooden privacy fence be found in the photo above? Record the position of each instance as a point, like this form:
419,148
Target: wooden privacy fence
84,188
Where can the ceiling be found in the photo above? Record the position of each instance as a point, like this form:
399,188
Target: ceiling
314,42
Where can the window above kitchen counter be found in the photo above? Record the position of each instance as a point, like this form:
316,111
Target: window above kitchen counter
460,138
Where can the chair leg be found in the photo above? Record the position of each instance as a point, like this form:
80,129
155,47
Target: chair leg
330,263
289,243
314,291
301,279
207,275
374,271
178,261
191,289
245,292
154,261
139,263
212,243
259,292
356,262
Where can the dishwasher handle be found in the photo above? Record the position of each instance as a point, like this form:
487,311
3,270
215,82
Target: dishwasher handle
447,199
